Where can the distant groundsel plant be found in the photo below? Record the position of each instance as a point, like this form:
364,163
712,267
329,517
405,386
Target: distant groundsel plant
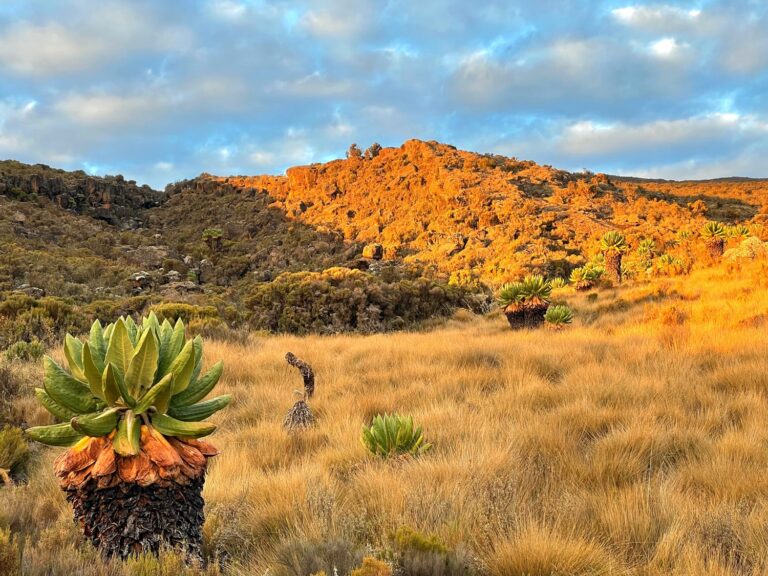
558,316
613,245
525,302
393,435
714,234
584,278
131,404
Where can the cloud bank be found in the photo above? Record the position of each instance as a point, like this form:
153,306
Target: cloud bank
161,91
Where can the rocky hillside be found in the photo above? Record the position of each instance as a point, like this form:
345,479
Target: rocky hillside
111,198
403,233
492,216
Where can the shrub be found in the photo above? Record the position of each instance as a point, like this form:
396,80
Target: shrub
299,558
345,300
372,567
558,316
23,318
25,351
409,539
392,435
13,453
173,311
418,554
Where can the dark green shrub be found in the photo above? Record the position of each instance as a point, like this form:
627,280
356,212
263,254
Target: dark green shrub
347,300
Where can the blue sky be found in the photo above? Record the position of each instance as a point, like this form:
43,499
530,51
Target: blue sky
160,91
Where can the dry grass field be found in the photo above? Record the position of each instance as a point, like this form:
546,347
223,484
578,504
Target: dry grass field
634,442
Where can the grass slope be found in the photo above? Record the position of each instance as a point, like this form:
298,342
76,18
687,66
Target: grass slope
633,443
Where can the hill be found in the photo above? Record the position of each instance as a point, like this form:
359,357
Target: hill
286,253
492,216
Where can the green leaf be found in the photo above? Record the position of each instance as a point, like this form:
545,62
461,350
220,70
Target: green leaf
96,424
198,345
157,396
92,373
175,345
120,349
141,372
133,330
98,346
66,390
109,385
127,439
201,411
61,412
125,394
73,350
55,435
182,368
151,322
199,389
171,427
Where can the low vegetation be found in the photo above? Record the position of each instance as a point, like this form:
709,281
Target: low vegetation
394,435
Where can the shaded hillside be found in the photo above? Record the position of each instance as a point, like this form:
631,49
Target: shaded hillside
111,198
468,213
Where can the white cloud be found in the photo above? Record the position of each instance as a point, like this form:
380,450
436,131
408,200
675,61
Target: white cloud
261,158
594,139
107,32
667,48
228,9
314,85
111,110
655,16
46,49
340,19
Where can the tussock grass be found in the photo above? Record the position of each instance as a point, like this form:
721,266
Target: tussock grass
635,442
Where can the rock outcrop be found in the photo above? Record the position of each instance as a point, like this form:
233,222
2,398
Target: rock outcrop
111,198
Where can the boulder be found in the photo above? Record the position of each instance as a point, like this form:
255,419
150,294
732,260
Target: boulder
373,251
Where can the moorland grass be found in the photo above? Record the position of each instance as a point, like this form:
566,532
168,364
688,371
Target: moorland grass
634,442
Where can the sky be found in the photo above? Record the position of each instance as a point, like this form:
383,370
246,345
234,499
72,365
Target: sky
162,91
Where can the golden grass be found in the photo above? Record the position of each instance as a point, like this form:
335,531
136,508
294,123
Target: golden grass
633,443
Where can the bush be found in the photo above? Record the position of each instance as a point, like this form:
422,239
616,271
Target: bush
25,351
14,453
392,435
347,300
173,311
299,558
418,554
372,567
23,318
